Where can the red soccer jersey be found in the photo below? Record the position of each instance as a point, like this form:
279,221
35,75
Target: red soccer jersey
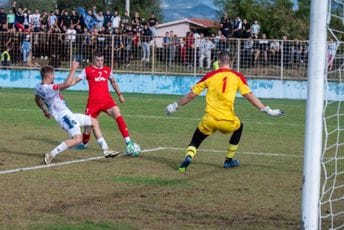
97,79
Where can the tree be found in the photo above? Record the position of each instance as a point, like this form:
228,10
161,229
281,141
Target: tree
47,5
276,17
144,7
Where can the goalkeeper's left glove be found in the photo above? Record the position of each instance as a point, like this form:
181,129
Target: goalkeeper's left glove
171,108
272,112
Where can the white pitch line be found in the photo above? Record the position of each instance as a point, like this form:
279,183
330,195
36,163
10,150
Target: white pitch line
172,118
245,153
67,162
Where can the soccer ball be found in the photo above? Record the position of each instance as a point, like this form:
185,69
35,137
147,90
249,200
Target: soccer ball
133,149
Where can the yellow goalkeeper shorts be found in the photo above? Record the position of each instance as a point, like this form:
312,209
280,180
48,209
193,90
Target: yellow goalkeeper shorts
208,125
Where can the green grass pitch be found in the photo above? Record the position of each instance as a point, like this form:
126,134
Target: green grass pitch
147,192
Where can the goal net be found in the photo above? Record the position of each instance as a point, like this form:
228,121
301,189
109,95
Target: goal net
332,158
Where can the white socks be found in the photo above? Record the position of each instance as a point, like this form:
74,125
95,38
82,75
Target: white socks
102,143
127,140
59,149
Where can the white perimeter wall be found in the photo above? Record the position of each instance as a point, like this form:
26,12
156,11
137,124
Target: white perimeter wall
179,85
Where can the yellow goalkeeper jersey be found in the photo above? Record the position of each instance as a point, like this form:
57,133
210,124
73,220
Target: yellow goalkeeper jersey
222,85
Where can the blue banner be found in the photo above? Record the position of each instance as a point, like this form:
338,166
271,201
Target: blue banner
89,21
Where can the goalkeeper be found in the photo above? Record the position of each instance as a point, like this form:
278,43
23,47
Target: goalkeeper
222,86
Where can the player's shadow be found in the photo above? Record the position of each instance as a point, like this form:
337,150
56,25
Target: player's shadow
29,154
173,164
162,160
43,140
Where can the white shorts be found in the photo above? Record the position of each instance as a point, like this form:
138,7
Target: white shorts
72,123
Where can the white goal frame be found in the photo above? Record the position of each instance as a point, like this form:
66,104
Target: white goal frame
314,111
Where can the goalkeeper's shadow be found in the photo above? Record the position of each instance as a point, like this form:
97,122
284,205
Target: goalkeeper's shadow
173,164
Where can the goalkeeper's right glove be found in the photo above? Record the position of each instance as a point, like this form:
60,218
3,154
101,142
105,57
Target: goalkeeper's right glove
171,108
272,112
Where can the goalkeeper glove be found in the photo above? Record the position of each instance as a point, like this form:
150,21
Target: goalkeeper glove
171,108
272,112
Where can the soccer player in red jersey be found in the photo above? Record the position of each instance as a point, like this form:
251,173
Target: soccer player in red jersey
222,86
99,97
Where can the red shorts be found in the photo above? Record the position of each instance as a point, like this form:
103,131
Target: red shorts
94,110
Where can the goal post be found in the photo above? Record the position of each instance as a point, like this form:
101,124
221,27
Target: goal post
314,123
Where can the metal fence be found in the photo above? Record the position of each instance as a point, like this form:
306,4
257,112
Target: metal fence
264,58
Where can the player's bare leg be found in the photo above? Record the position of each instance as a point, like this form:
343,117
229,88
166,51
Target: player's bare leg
69,143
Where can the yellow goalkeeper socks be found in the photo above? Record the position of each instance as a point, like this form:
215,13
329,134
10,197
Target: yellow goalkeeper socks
231,150
191,151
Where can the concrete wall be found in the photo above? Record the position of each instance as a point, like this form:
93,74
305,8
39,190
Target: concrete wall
178,85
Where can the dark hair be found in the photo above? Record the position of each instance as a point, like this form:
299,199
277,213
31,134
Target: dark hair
98,53
45,70
223,57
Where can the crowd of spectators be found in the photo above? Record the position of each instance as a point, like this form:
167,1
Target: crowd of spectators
27,35
50,33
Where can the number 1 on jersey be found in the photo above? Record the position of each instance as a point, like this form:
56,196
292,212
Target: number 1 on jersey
224,84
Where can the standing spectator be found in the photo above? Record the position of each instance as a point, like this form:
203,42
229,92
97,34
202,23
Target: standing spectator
172,48
116,20
107,18
237,28
165,45
10,19
261,47
99,17
136,44
3,19
44,21
296,51
223,43
19,17
128,45
27,15
275,52
70,34
286,49
35,21
248,52
246,29
146,38
182,51
52,21
75,18
58,15
205,51
197,40
255,29
125,20
118,46
226,26
26,49
66,19
331,52
152,23
189,48
136,21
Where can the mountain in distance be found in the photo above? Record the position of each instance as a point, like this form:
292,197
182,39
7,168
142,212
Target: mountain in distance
173,10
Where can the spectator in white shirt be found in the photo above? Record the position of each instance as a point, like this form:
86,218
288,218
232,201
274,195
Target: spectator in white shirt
255,29
116,20
206,45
